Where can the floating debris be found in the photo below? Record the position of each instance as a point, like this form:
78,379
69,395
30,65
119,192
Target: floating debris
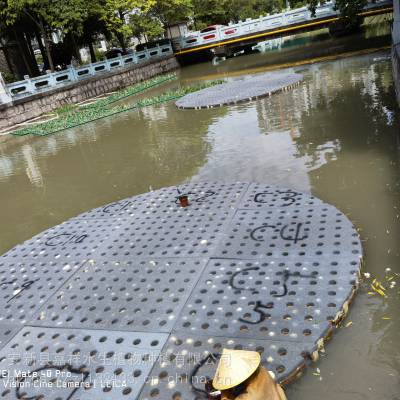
377,287
317,373
380,288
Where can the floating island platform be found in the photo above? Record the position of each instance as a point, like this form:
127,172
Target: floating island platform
136,299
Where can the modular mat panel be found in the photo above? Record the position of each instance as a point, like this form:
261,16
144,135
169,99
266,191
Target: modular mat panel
138,295
298,232
281,300
187,362
240,90
72,240
245,266
26,285
202,197
269,197
7,332
52,363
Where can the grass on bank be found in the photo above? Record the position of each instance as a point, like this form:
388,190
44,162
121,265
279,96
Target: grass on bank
70,116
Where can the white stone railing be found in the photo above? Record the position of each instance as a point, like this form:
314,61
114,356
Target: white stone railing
253,26
53,80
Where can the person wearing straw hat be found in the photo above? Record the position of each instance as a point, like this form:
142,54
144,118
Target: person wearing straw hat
240,376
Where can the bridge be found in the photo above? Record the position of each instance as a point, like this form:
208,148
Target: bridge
252,31
234,36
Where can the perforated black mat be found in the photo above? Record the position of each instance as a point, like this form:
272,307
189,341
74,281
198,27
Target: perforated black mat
143,279
245,89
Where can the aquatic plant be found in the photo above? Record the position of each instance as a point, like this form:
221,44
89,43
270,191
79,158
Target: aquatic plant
65,109
132,90
100,109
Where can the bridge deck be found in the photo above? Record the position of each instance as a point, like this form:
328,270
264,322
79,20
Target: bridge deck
306,24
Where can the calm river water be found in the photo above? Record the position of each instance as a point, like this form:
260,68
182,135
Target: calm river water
336,135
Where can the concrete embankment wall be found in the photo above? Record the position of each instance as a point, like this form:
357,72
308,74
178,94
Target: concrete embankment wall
396,47
27,108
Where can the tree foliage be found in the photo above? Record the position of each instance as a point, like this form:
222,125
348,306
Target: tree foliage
207,12
349,9
170,11
116,16
48,16
81,22
66,15
145,26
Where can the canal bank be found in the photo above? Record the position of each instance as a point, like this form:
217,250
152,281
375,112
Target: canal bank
396,47
27,108
294,50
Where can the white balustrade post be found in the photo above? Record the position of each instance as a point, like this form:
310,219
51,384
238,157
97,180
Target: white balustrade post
4,94
52,80
30,85
108,67
72,72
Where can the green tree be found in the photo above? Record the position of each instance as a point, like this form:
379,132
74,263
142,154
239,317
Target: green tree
19,32
117,14
349,9
241,9
145,25
94,25
170,11
208,12
48,16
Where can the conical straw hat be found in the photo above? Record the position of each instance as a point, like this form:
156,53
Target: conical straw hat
234,367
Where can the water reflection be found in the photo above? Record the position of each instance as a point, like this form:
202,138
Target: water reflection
96,164
32,167
6,166
336,134
282,138
340,108
239,152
